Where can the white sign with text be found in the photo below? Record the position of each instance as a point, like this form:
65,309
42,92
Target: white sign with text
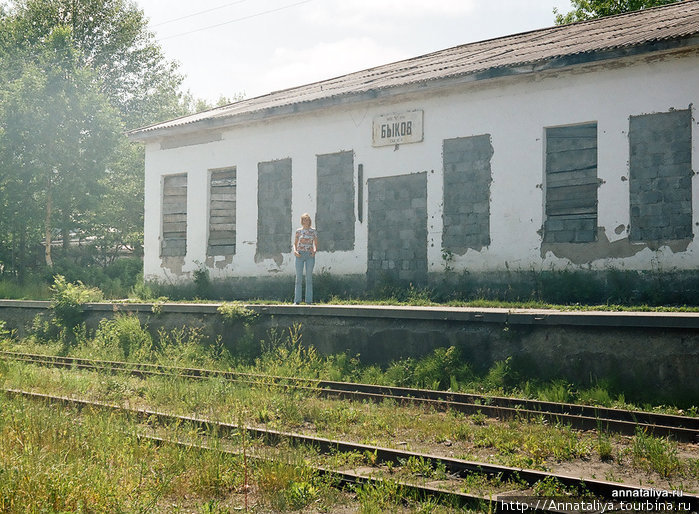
398,128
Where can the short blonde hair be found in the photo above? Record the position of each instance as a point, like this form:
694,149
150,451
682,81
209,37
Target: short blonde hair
307,216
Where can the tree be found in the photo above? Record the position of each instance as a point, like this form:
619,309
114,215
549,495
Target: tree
588,9
194,105
59,133
73,75
113,40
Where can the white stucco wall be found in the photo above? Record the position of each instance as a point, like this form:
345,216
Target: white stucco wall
514,111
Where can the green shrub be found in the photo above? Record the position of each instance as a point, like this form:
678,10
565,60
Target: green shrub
604,446
4,332
234,311
67,300
501,376
442,369
401,373
202,281
143,290
115,280
597,395
187,346
558,391
288,485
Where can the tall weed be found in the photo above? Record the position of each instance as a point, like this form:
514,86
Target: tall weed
288,484
186,346
656,454
121,338
283,354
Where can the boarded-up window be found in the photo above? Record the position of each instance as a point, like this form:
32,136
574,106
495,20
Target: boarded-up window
174,240
467,179
660,176
335,214
222,185
274,209
571,184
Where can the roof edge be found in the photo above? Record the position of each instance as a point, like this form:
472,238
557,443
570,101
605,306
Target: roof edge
146,134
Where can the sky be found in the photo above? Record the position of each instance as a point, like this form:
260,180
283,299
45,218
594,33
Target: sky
253,47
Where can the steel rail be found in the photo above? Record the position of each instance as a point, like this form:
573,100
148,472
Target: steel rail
583,417
456,467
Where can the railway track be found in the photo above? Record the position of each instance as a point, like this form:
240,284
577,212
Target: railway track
582,417
605,493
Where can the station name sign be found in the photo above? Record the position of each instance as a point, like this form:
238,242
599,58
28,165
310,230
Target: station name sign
398,128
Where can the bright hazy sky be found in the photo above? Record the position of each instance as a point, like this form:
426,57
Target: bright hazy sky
259,46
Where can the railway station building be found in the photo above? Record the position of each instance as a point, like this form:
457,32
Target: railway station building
570,147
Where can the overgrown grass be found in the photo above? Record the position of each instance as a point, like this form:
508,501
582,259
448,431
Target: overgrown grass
608,289
519,443
656,454
611,290
292,485
283,353
30,289
55,459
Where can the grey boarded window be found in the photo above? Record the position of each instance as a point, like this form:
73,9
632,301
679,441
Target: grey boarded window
467,178
571,184
335,200
660,176
222,190
274,208
174,239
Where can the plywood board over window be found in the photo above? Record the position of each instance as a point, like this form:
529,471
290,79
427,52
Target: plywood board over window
174,238
571,184
222,202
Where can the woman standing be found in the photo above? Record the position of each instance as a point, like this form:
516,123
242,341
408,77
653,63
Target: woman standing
305,247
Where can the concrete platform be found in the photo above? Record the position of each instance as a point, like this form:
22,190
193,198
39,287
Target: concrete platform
550,317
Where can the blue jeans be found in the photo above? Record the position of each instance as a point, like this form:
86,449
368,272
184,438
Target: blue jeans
309,261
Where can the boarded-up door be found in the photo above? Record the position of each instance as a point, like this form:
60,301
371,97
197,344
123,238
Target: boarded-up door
397,246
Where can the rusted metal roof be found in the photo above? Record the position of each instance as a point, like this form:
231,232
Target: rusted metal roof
554,47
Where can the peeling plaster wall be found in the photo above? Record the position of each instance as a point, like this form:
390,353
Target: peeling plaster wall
515,113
